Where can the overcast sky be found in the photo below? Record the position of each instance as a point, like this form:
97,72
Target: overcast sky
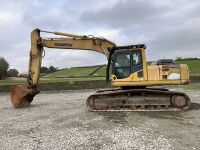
169,28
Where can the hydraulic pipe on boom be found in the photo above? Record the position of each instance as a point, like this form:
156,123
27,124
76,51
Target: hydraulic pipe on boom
22,95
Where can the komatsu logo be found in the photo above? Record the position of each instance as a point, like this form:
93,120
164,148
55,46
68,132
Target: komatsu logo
63,44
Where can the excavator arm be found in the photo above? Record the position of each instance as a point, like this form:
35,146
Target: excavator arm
22,95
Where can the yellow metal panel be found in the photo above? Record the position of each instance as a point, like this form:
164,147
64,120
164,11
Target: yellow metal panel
145,83
184,72
157,75
153,72
144,64
98,45
174,70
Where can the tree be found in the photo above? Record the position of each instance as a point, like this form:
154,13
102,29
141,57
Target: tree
12,72
44,69
52,69
3,68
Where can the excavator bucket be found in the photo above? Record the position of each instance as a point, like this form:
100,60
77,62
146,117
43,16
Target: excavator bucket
22,96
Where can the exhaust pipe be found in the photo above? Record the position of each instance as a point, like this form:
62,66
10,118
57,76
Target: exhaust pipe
22,95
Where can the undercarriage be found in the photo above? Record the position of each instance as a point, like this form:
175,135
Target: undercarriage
147,99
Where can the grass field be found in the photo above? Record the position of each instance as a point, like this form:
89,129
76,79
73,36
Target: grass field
83,74
72,72
194,66
10,82
102,71
78,72
50,80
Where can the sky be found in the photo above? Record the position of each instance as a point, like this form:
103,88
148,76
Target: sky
169,28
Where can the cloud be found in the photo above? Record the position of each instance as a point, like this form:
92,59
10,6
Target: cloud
169,28
125,13
69,58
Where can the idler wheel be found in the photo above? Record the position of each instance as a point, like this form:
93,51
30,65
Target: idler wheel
179,101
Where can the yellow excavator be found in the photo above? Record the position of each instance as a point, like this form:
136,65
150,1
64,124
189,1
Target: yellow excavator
129,71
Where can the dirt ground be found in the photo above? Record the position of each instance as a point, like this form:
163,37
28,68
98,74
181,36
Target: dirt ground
61,120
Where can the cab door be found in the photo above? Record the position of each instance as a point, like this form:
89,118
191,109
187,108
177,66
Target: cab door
127,62
137,63
122,64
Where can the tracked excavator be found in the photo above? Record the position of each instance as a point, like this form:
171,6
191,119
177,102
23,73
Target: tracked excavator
129,71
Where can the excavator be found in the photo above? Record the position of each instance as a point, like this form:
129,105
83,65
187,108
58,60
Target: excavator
127,70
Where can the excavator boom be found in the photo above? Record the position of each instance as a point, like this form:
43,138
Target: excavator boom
22,95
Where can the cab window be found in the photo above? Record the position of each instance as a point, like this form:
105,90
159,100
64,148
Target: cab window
137,58
122,65
136,61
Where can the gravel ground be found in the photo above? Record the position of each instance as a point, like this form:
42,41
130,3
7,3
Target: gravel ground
61,120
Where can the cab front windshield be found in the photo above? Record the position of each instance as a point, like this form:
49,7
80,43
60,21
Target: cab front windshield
126,63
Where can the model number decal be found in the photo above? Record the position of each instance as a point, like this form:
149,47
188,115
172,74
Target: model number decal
63,44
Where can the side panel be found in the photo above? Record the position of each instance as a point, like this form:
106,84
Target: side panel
153,72
157,75
184,73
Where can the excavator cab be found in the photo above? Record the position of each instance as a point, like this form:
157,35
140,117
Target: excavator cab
127,62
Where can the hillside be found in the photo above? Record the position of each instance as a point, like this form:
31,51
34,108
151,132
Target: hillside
194,66
101,72
73,72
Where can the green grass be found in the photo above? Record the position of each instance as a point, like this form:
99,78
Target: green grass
43,80
50,80
9,82
81,74
102,71
194,66
73,72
